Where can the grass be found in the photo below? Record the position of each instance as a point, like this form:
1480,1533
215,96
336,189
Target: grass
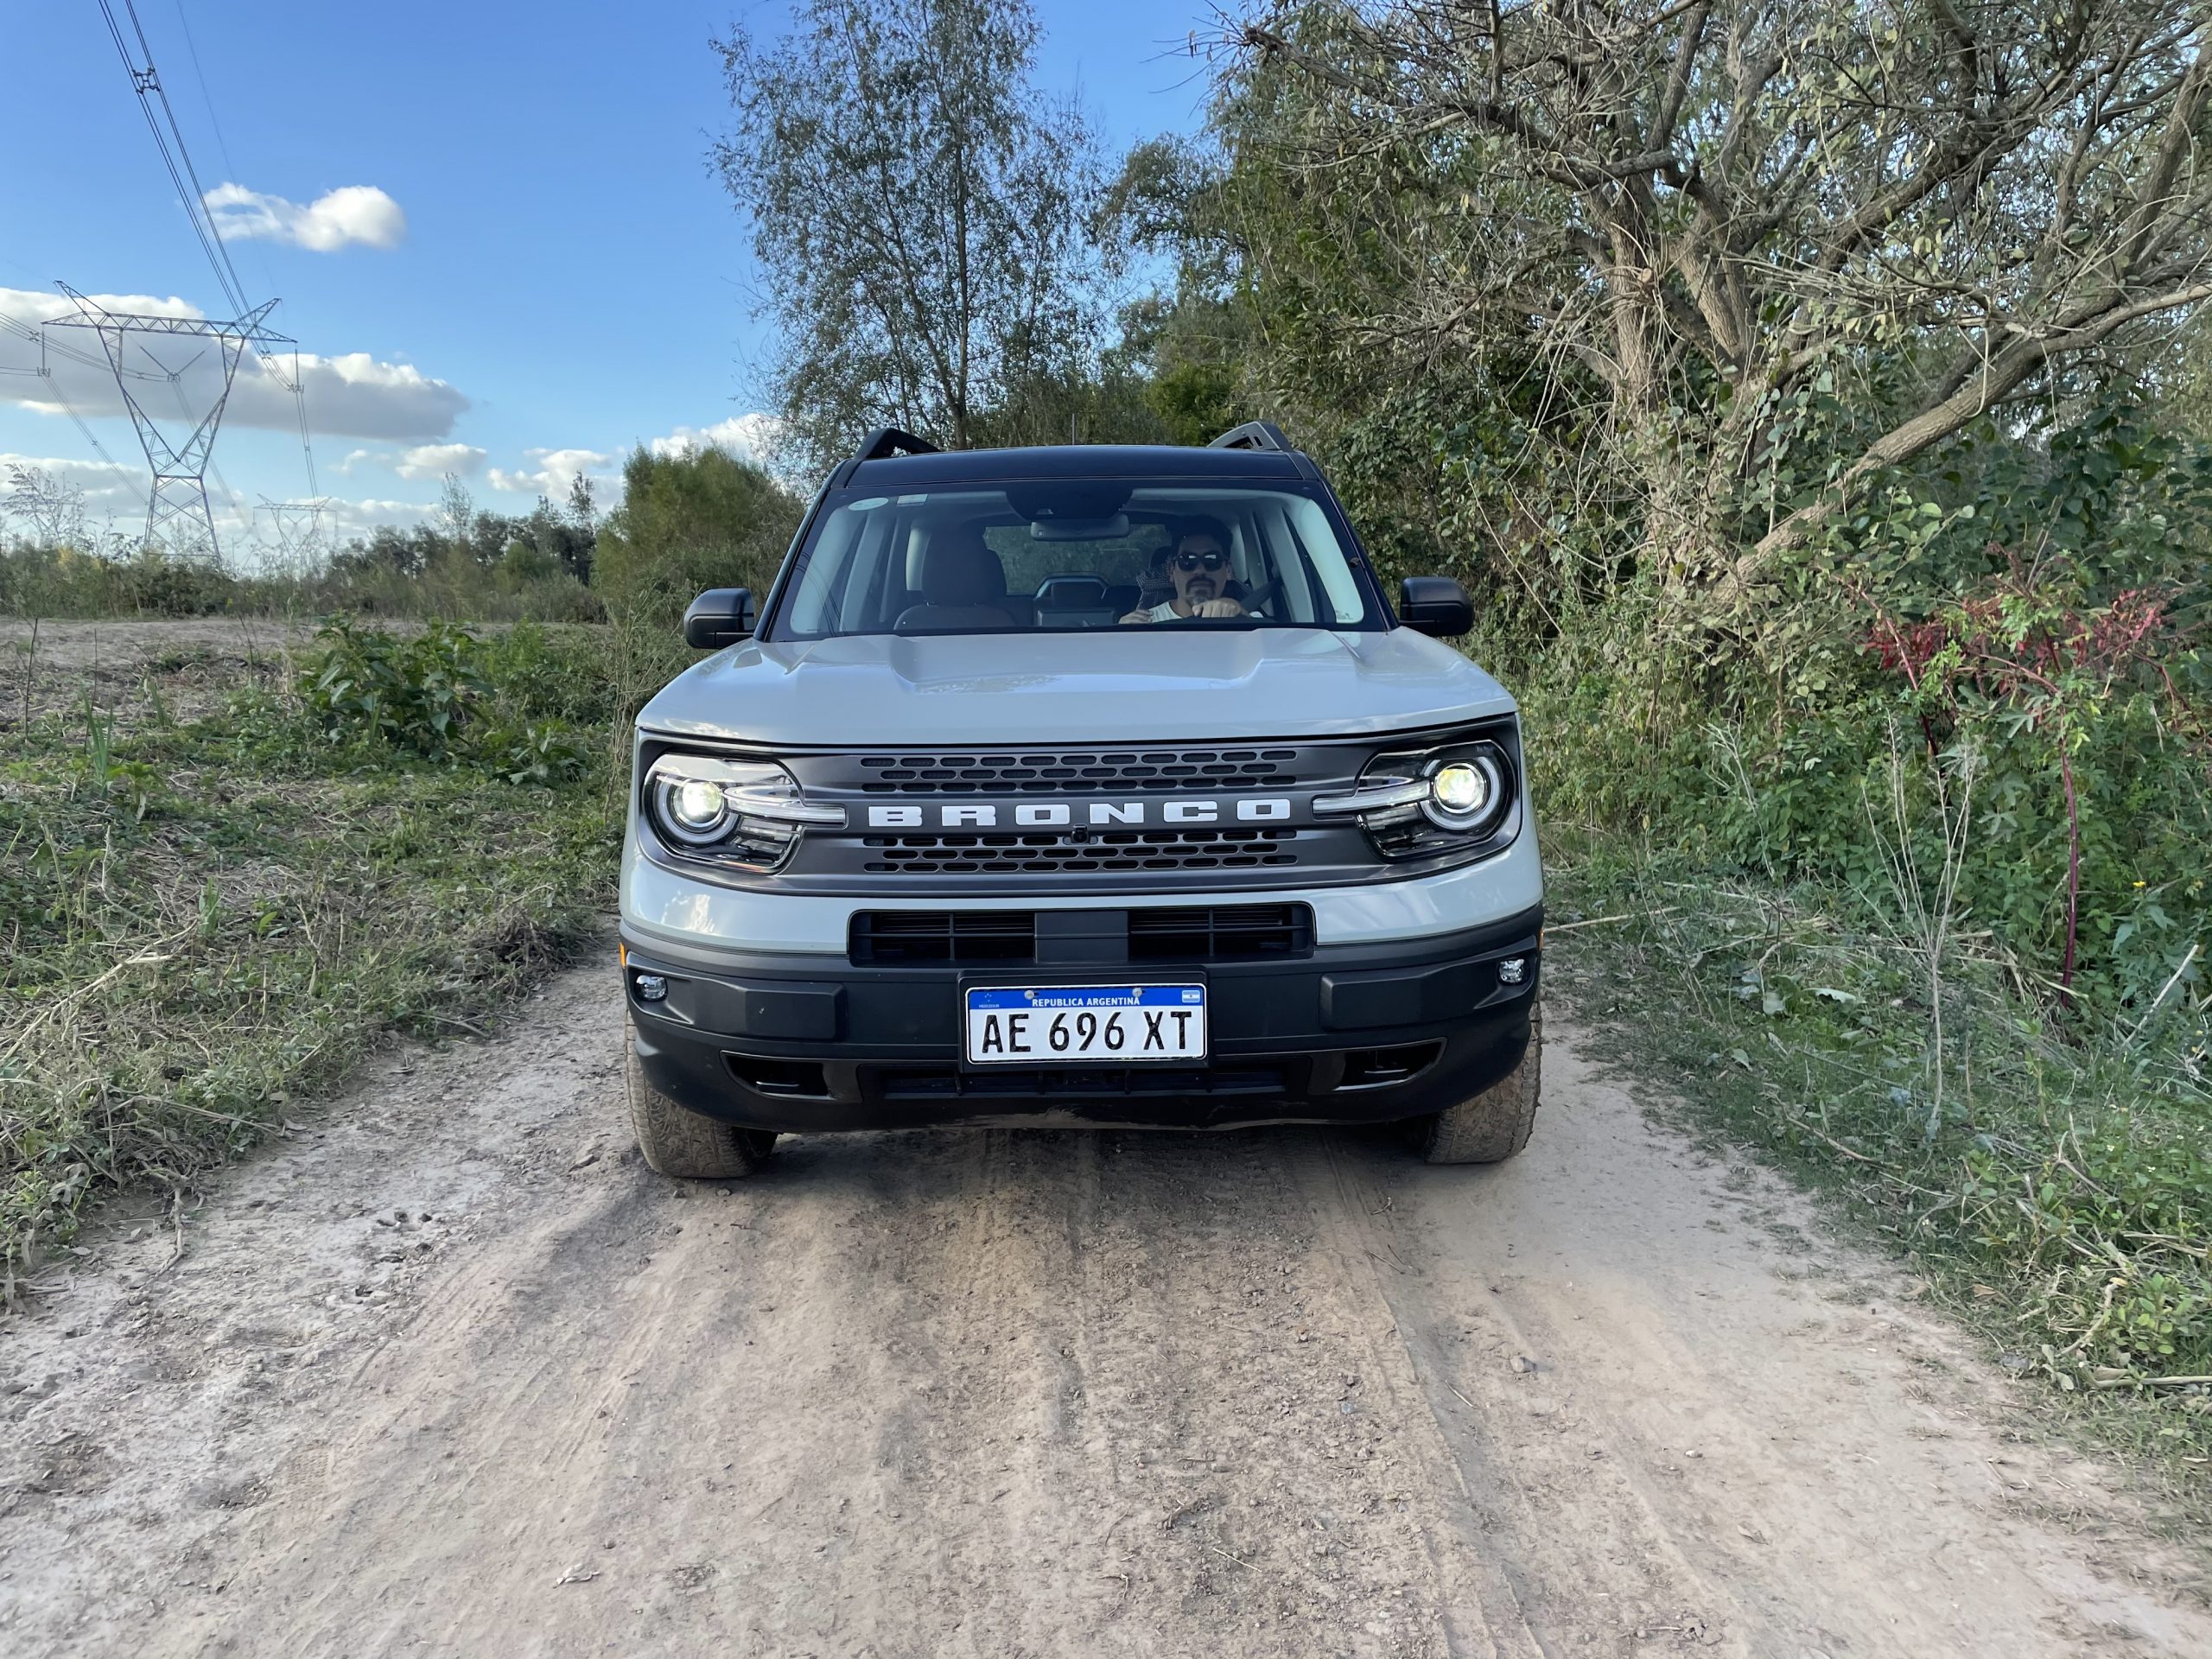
2051,1186
206,915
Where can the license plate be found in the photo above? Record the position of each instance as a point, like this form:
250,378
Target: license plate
1086,1024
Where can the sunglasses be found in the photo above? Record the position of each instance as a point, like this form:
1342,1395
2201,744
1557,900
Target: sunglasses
1200,561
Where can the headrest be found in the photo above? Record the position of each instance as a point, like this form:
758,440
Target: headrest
959,569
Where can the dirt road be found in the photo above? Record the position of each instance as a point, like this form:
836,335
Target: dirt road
448,1371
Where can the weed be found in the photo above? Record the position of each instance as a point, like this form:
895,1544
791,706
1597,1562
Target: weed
208,916
2051,1185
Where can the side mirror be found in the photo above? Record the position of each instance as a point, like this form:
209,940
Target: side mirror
1436,605
719,617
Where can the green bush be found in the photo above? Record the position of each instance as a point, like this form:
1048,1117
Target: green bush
700,519
415,693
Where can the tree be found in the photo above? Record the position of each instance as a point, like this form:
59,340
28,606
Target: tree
699,518
457,508
51,510
917,208
583,508
1719,210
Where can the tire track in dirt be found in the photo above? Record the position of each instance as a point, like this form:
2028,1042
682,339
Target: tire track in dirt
1016,1393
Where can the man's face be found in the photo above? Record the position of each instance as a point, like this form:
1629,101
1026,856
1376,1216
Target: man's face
1200,569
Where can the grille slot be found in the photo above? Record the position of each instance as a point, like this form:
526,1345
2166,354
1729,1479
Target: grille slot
1106,1083
1158,771
1045,853
953,936
1218,932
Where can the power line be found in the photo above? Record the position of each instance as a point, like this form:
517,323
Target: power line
215,124
38,337
179,472
148,80
70,410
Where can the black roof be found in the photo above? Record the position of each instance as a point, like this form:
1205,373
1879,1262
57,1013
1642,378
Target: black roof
1143,460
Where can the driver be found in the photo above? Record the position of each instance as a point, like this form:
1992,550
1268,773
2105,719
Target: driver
1197,563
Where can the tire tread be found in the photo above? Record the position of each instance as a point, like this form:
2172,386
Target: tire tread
1491,1127
684,1144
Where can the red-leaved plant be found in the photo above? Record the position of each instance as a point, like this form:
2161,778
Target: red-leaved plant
2024,642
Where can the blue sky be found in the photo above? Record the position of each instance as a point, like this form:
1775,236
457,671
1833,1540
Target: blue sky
552,250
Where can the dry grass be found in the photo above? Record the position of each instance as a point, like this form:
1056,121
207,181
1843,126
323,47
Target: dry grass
206,911
2048,1181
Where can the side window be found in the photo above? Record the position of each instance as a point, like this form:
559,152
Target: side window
1294,598
1339,588
814,608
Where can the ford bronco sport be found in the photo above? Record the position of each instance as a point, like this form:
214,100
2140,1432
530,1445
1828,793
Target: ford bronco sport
1095,785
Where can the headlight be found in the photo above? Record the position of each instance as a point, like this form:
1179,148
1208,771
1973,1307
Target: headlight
745,812
1461,793
1418,803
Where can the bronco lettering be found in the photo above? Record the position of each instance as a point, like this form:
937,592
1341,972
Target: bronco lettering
1042,815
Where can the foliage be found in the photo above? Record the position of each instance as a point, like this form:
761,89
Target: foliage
695,519
917,206
209,917
417,692
1721,214
510,706
2062,1196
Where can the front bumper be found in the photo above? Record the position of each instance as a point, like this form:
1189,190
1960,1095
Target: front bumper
1345,1034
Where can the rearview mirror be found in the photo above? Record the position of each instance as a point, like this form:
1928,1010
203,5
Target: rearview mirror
1436,605
719,617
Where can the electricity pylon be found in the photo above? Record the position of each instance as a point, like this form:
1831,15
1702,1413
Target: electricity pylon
298,526
178,520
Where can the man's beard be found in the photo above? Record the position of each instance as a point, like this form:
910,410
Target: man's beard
1198,590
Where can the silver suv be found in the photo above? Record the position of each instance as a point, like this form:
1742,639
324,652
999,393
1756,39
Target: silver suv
1084,785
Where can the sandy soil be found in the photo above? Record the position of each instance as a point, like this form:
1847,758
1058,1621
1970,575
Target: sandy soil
446,1371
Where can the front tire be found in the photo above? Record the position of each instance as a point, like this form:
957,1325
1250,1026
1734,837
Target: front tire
1491,1127
684,1144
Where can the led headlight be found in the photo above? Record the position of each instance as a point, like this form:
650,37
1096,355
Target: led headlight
1461,791
746,812
1421,803
697,810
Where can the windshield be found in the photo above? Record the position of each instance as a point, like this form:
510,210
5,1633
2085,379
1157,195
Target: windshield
1055,554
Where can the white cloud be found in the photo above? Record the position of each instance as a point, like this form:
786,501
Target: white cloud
109,485
352,395
352,213
436,459
750,437
551,471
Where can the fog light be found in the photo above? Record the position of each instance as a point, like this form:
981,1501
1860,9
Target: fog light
651,987
1509,971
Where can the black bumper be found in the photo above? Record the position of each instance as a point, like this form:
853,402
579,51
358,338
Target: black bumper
1342,1035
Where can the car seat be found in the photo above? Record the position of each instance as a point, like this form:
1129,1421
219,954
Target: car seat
963,585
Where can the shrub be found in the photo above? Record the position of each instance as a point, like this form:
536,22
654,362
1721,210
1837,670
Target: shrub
700,519
414,694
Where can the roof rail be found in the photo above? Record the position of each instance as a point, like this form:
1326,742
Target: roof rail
1253,435
888,440
880,445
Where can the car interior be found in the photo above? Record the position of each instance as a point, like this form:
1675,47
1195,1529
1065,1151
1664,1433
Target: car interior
986,561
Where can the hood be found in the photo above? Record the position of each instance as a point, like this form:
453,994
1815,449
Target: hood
1110,685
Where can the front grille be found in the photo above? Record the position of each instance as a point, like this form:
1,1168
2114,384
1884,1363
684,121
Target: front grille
1051,853
1219,933
1083,772
1104,1082
953,936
